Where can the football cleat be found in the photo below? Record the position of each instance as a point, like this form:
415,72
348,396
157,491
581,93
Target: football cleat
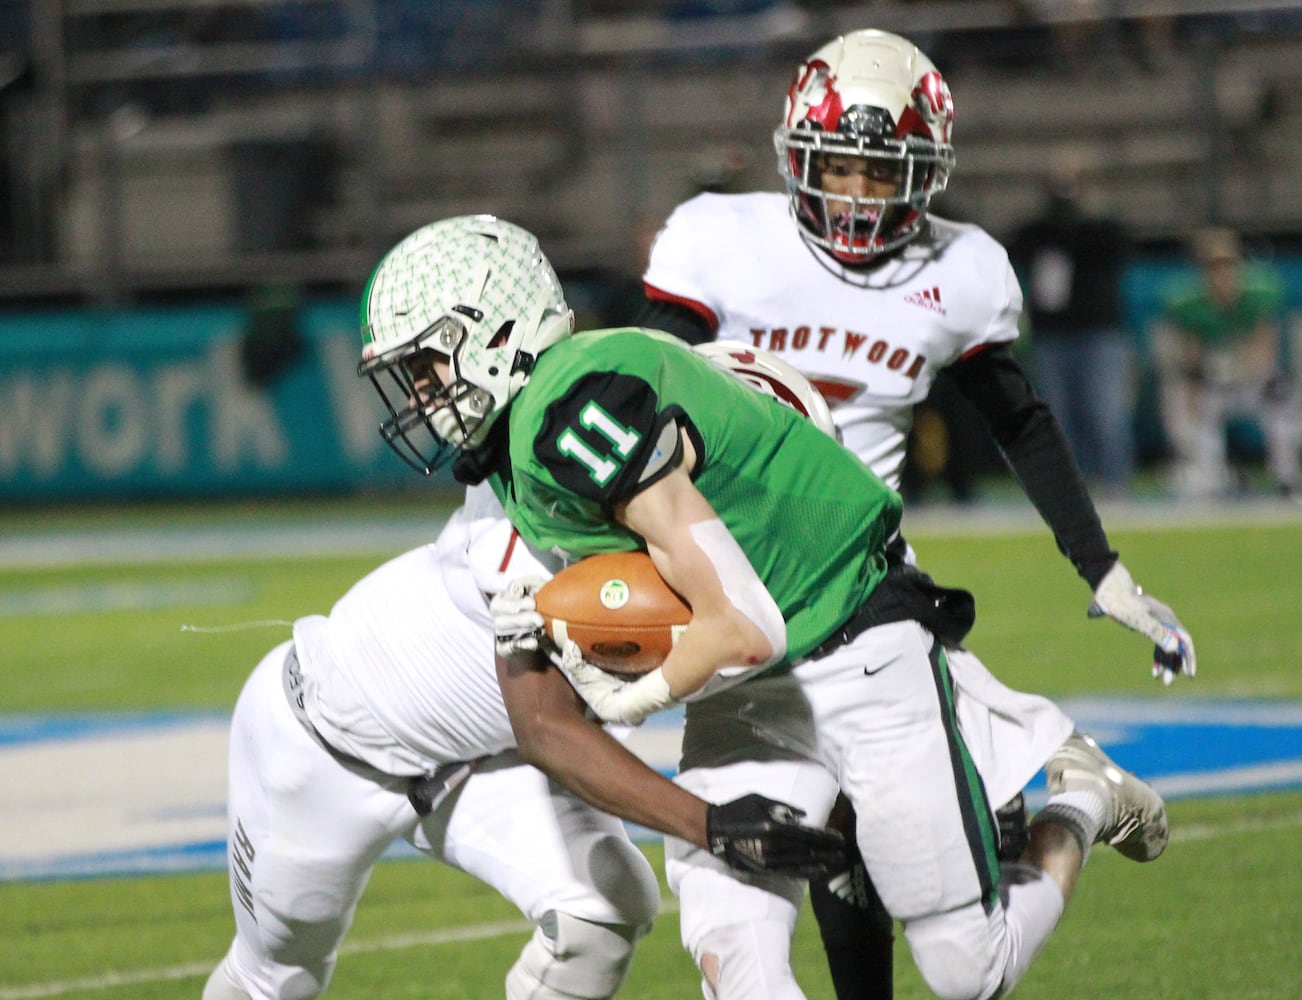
1136,823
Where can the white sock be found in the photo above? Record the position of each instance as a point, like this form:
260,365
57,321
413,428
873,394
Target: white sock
1082,813
1033,905
1090,804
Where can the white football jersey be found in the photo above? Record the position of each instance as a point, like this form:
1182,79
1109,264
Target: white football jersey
872,340
401,673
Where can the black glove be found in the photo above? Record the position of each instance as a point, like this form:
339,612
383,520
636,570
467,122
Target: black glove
757,834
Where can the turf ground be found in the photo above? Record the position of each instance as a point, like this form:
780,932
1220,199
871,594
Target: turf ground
98,628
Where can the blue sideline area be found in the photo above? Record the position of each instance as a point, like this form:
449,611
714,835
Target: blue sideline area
89,796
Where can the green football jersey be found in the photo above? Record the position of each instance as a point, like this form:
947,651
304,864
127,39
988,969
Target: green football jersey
1190,308
601,414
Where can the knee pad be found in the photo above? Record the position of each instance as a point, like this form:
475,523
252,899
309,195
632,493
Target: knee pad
626,879
304,951
221,986
960,954
572,959
747,960
243,975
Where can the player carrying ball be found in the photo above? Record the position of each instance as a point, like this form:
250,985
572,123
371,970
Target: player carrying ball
817,660
850,278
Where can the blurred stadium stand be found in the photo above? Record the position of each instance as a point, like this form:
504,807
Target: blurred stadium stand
166,165
154,147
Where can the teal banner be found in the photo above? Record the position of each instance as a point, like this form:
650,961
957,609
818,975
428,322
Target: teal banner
187,402
213,401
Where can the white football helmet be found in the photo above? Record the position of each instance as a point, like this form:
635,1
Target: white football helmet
769,374
474,291
875,95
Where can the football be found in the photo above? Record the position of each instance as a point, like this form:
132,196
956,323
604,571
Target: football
617,608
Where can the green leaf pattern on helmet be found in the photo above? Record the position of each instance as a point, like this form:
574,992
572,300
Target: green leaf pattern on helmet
477,289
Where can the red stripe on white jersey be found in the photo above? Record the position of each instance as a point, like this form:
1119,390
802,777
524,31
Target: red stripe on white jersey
700,308
510,550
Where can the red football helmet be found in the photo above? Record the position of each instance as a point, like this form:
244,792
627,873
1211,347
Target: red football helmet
770,375
872,95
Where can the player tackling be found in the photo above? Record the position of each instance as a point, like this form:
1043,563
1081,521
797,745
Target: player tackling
817,659
385,719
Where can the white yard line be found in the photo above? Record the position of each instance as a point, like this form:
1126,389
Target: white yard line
335,534
392,942
1210,831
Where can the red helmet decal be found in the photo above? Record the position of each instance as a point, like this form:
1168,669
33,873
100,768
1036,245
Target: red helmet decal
816,85
762,380
933,106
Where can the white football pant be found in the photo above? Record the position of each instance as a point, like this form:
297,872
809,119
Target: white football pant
305,832
885,719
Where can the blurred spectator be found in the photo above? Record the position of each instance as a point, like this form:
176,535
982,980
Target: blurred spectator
1071,265
15,87
272,343
283,182
948,447
27,180
1084,39
718,170
1219,355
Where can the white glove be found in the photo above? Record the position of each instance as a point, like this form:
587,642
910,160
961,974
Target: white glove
517,625
1120,599
610,698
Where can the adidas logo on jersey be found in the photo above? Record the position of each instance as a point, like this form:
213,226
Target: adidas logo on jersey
928,298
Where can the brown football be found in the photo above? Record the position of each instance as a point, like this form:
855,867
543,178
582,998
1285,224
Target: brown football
624,617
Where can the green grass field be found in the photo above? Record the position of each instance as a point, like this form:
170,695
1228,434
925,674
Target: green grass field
1215,917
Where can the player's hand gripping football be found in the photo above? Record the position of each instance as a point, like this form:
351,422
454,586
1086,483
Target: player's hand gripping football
759,834
611,698
1119,598
517,625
